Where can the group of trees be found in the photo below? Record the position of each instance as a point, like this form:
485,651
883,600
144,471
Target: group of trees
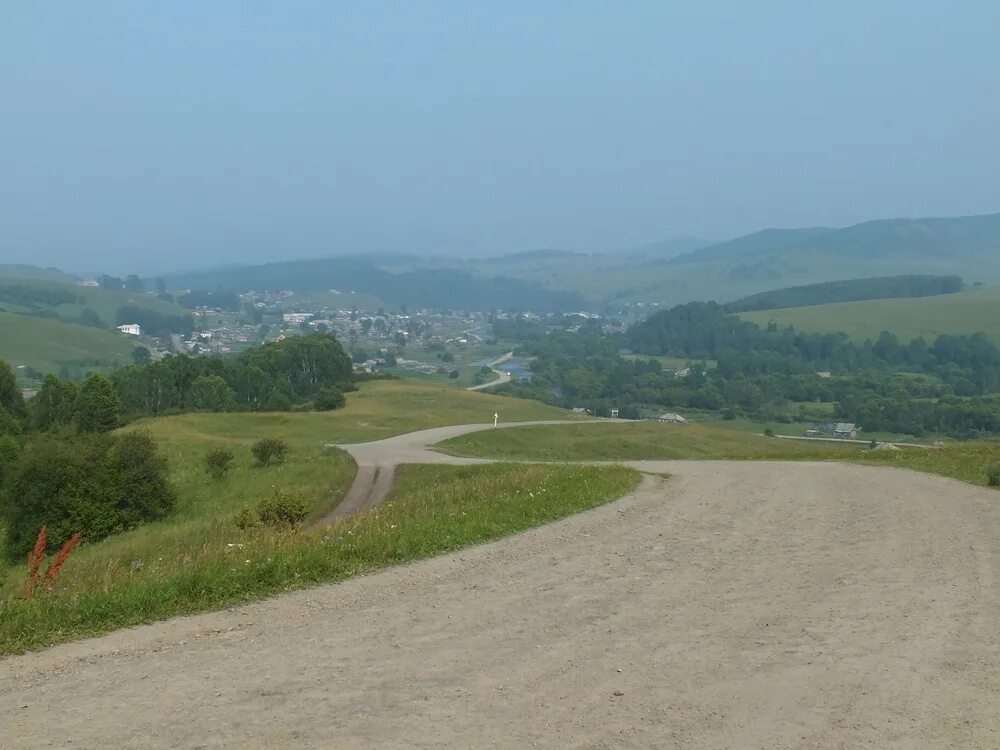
279,376
852,290
62,468
945,387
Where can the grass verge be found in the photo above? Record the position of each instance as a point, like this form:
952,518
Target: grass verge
432,510
635,441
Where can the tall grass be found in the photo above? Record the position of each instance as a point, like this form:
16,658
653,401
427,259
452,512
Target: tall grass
432,509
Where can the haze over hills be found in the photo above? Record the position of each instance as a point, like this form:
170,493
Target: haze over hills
674,271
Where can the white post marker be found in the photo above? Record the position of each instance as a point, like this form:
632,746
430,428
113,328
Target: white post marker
496,418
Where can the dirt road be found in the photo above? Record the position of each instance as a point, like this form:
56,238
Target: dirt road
735,605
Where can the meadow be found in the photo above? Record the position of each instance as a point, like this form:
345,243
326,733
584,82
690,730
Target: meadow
197,558
635,441
48,345
967,312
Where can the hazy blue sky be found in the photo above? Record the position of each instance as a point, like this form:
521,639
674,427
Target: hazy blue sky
155,136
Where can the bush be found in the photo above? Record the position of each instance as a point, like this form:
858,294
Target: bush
768,432
993,475
270,451
453,374
217,462
282,509
329,398
96,484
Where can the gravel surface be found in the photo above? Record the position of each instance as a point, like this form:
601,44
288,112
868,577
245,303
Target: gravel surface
733,605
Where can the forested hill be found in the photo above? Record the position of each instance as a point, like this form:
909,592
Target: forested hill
907,239
851,290
431,288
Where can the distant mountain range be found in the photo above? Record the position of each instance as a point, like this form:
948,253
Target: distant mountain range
668,272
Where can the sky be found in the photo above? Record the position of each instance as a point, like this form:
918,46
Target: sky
149,137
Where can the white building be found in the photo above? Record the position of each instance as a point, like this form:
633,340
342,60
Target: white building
672,418
132,329
296,318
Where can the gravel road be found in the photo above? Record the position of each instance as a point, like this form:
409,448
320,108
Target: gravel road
734,605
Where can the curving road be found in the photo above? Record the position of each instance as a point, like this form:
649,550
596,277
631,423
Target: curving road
734,605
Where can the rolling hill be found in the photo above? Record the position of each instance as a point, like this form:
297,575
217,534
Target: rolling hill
49,345
965,312
71,300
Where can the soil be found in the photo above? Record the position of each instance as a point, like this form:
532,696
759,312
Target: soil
732,605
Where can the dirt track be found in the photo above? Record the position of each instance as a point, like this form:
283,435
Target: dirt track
735,605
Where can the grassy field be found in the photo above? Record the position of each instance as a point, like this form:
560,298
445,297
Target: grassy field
432,510
966,312
633,440
379,409
652,441
48,345
104,302
966,461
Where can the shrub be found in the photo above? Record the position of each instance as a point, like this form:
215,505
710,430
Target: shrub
329,398
217,462
269,451
282,509
769,432
453,374
98,408
97,484
993,475
246,519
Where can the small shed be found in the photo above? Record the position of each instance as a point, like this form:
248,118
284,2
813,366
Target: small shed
671,418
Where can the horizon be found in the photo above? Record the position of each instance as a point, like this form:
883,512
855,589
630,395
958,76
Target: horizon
154,139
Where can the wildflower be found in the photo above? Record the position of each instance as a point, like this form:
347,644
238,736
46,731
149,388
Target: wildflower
135,565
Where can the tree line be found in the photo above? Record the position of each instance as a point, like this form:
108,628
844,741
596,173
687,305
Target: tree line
946,387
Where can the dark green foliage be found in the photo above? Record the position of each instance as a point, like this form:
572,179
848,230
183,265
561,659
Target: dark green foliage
134,284
90,318
269,451
308,362
93,483
10,395
10,449
437,288
329,398
993,475
211,393
54,405
853,290
98,408
454,374
141,355
218,462
36,298
282,509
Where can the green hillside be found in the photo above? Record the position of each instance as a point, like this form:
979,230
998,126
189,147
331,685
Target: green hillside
104,302
965,312
49,345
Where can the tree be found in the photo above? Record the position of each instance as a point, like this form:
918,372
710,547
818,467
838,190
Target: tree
161,286
141,355
111,282
95,484
98,407
54,404
329,398
10,395
90,318
134,284
211,393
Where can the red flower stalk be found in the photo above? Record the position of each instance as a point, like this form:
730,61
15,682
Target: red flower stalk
35,558
56,563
